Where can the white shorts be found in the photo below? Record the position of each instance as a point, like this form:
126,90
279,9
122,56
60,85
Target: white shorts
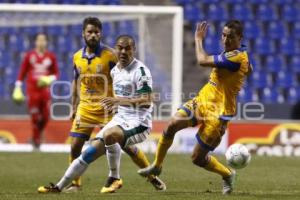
134,131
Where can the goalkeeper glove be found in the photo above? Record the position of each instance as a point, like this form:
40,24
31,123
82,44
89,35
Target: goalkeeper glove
18,95
45,81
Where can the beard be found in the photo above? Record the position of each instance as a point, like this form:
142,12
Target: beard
92,43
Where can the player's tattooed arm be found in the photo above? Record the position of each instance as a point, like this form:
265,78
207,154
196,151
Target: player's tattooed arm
203,58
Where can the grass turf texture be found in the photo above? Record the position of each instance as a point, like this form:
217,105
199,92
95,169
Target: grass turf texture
265,178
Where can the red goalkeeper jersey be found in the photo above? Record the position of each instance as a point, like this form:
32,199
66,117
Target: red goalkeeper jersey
34,66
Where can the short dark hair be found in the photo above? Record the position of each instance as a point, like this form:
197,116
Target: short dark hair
125,36
236,25
93,21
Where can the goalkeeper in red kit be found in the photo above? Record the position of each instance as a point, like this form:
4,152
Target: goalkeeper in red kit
39,66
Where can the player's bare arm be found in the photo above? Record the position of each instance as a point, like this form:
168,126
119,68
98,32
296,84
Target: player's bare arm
75,99
144,100
203,58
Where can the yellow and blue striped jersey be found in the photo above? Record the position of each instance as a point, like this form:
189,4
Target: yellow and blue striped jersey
228,77
93,74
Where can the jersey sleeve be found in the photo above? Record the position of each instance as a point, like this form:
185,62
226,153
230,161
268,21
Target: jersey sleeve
229,60
24,67
144,80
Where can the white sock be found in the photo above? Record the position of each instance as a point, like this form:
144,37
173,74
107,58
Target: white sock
113,155
76,169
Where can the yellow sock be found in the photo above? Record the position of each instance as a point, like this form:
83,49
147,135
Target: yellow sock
162,148
215,166
140,159
76,181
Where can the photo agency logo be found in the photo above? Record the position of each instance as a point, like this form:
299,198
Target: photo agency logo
61,108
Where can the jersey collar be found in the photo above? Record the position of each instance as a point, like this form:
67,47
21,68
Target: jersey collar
130,66
96,54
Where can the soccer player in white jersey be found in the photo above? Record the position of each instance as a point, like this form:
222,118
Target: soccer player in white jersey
132,84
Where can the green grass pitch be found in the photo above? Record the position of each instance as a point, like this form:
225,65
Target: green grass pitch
264,178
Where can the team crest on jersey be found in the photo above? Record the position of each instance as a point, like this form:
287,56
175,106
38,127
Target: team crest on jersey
231,53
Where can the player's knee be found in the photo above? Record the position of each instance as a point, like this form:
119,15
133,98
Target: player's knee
173,127
89,154
111,138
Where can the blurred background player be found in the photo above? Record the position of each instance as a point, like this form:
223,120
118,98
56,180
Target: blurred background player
39,66
214,106
92,82
131,125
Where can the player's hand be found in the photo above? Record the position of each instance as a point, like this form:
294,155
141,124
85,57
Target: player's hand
108,103
18,96
45,81
73,114
201,30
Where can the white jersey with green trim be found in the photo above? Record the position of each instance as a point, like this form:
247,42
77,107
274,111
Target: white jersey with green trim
130,82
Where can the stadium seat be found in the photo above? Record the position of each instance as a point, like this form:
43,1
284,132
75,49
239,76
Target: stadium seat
192,13
288,46
33,30
212,45
108,29
234,1
276,30
76,30
260,79
271,95
256,62
295,32
275,63
217,12
266,12
127,27
252,30
294,65
285,79
264,46
16,43
208,1
2,90
242,12
290,13
282,2
56,30
63,44
184,2
109,40
246,95
258,1
292,95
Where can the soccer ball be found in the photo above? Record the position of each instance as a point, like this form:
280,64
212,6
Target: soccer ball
237,156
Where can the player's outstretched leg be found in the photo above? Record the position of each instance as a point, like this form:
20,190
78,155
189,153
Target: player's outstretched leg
178,122
228,182
77,168
140,159
201,158
76,147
